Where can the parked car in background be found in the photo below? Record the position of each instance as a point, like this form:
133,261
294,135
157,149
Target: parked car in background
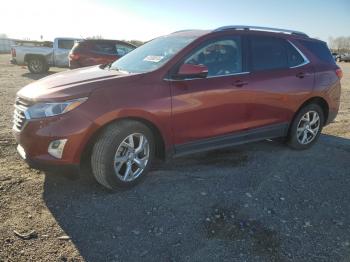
186,92
344,57
335,56
39,56
97,51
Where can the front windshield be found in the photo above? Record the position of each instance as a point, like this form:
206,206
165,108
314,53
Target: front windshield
152,55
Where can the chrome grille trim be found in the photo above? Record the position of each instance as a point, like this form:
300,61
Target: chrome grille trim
19,115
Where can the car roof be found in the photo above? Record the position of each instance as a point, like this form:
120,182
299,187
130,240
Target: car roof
286,33
105,41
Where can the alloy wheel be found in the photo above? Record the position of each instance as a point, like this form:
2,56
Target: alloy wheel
308,127
131,157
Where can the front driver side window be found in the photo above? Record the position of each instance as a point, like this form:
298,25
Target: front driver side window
222,57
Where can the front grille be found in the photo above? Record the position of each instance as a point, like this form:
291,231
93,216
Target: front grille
19,118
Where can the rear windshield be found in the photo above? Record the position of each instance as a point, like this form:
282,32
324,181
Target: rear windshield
319,49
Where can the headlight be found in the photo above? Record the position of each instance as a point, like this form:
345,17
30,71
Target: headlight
52,109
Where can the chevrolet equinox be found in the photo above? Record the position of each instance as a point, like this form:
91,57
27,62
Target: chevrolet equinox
185,92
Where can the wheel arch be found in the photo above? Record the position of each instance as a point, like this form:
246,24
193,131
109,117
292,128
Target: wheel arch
28,56
158,136
314,100
319,101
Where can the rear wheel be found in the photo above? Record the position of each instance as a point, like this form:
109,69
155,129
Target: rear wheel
122,154
306,127
37,65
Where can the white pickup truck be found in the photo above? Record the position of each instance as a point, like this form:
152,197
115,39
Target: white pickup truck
39,56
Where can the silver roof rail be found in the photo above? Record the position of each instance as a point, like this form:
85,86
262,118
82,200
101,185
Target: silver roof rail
185,30
259,28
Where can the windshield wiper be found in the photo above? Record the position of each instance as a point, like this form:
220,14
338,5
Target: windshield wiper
109,67
119,70
106,66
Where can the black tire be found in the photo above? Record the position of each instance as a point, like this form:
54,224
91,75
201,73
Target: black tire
292,139
106,146
37,65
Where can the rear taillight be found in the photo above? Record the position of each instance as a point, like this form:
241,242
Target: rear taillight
13,52
339,73
74,56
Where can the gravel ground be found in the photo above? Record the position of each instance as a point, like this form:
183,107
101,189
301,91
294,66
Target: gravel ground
256,202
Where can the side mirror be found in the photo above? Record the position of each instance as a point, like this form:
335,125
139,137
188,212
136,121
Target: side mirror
192,71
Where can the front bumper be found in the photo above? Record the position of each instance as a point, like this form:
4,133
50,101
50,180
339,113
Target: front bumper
36,135
43,165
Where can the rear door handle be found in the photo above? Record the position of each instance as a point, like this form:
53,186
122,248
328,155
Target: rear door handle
301,74
239,83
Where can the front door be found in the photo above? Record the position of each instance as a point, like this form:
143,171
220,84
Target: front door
215,105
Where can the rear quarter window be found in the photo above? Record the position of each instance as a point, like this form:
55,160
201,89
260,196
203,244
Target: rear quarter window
294,57
319,49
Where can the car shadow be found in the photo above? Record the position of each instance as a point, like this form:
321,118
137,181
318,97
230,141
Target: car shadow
238,203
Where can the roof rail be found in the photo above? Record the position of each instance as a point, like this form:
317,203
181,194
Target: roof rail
259,28
185,30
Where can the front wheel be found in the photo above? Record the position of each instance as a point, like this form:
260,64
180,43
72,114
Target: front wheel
122,154
306,127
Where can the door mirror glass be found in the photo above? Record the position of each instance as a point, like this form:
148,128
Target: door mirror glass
192,71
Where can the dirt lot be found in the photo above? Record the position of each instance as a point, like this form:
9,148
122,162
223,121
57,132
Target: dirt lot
257,202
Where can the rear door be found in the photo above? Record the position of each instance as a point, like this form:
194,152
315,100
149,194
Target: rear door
61,52
280,79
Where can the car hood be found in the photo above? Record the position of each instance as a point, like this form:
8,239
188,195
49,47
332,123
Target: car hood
70,84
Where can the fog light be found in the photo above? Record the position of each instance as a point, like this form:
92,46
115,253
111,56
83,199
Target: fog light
56,148
21,151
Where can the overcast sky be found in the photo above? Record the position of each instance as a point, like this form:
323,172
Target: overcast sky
144,20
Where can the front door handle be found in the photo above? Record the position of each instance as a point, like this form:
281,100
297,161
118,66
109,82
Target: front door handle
239,83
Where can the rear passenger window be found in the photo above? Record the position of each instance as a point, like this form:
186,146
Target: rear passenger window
105,48
319,49
268,53
222,57
294,57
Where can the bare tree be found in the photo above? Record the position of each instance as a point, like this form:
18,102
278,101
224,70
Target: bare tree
339,44
95,37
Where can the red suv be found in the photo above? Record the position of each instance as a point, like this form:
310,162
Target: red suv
97,51
178,94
